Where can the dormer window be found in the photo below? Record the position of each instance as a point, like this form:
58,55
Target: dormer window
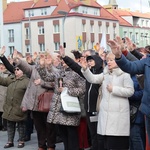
44,11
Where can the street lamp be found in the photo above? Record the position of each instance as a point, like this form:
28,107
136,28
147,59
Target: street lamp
64,13
29,14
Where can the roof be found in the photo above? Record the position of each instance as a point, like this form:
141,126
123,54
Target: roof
44,3
15,11
122,21
122,12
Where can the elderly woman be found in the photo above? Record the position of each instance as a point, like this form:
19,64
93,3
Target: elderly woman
66,122
114,112
12,111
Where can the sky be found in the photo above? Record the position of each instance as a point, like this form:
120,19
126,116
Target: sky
141,5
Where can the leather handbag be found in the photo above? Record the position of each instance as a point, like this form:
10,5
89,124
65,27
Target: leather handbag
44,101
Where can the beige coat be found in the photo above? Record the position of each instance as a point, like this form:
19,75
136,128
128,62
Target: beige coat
114,113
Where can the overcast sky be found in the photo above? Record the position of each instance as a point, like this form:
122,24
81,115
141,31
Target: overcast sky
141,5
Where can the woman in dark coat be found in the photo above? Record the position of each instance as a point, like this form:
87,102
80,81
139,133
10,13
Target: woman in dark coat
12,111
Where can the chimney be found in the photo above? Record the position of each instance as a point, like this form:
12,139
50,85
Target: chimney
58,1
35,1
4,3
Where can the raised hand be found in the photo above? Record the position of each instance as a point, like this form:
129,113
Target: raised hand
3,50
42,60
62,51
15,54
121,43
130,45
48,60
83,63
35,55
115,48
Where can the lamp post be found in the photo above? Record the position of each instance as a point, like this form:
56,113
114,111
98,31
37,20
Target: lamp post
29,14
64,13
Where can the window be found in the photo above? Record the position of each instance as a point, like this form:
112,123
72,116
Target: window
92,45
125,33
95,12
100,29
114,28
11,35
11,49
142,22
130,35
107,29
136,37
42,47
41,30
92,28
43,11
57,46
83,45
85,10
147,22
27,34
83,28
56,28
28,48
31,13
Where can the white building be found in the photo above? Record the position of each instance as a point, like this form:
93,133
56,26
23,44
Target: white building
40,25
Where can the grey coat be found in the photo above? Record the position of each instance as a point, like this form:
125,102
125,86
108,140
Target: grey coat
30,99
75,86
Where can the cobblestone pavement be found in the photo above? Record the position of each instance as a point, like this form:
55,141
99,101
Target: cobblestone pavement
30,145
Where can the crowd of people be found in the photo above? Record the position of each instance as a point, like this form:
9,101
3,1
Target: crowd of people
112,88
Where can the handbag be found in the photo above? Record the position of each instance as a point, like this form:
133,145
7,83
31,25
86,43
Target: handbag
70,104
44,101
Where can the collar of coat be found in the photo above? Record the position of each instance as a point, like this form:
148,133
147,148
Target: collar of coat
13,77
116,71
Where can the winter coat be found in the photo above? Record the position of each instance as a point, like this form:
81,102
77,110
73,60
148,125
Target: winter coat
139,67
72,81
136,99
3,91
114,113
30,99
91,93
15,92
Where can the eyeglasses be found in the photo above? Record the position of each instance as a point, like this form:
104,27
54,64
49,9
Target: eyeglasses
17,69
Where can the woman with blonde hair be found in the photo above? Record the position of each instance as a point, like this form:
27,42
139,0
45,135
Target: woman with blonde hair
114,112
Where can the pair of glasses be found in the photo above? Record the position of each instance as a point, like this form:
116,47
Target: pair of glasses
17,69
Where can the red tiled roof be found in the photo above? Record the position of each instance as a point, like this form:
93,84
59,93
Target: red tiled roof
43,3
122,21
92,3
15,12
122,12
